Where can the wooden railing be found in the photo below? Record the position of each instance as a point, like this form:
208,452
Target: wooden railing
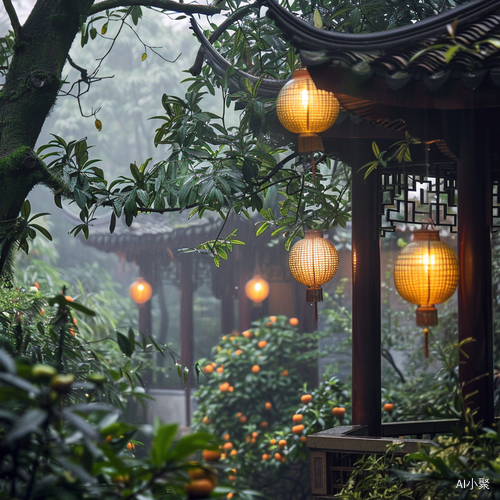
335,451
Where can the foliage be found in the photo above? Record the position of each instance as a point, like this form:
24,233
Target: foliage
53,448
371,478
248,397
464,465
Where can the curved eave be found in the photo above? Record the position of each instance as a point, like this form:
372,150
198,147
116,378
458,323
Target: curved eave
306,37
415,94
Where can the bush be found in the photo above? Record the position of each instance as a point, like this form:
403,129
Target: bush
248,397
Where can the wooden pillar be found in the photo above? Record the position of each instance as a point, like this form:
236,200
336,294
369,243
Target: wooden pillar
187,343
244,303
474,251
366,315
226,299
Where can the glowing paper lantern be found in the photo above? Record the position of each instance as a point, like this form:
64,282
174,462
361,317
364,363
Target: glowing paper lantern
140,291
257,289
426,273
305,110
313,262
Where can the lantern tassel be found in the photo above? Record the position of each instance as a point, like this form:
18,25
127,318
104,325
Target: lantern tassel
316,312
426,342
309,142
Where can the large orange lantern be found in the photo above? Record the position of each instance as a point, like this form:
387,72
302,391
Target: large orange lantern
426,273
257,289
305,110
313,262
140,291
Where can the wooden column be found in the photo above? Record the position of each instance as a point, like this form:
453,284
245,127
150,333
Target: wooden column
366,315
187,343
474,252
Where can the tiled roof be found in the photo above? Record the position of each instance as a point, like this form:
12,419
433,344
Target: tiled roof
392,54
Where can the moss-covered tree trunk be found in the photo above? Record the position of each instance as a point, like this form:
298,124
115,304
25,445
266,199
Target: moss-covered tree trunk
30,91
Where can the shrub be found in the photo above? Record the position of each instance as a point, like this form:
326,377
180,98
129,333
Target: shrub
251,410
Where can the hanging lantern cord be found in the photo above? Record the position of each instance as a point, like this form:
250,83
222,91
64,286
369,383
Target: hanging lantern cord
426,342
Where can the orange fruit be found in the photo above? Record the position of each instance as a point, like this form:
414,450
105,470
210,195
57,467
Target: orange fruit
297,429
224,387
277,456
234,452
211,455
109,437
231,388
247,334
252,441
284,373
201,473
228,445
232,478
255,368
255,434
242,419
272,319
297,418
388,407
338,411
268,405
224,337
68,298
222,456
268,323
208,369
229,495
219,369
273,441
214,364
306,398
72,332
130,446
231,338
294,321
283,459
266,456
74,321
36,285
238,352
262,343
205,420
239,414
264,424
282,442
199,488
226,437
303,439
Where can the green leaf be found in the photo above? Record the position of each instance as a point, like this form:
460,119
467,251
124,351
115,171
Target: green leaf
262,228
318,21
124,344
25,209
161,444
27,423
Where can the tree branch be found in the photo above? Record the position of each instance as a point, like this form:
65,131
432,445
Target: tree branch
160,4
14,20
195,69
